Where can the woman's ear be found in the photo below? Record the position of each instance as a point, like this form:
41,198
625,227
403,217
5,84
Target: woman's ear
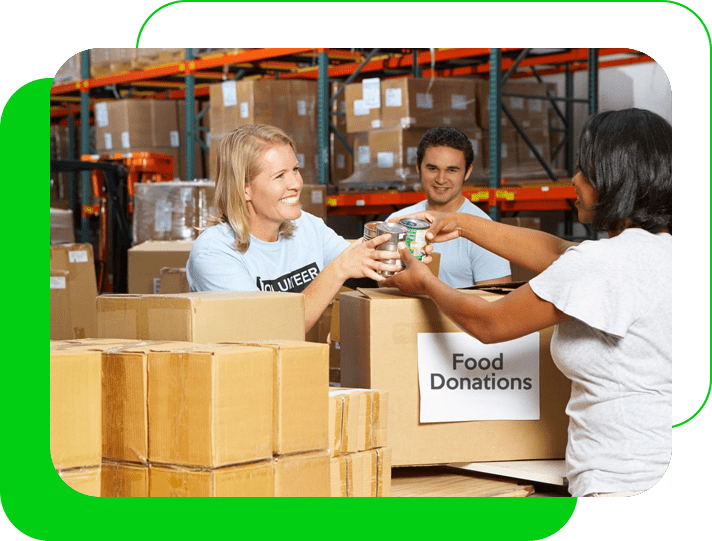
248,193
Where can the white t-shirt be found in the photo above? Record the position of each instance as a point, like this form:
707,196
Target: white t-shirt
463,263
617,351
289,264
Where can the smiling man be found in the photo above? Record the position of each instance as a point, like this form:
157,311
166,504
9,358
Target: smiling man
444,161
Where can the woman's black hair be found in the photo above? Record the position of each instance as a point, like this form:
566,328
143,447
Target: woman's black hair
627,156
445,137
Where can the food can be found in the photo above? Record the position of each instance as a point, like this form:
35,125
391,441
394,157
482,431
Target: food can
369,230
397,233
415,237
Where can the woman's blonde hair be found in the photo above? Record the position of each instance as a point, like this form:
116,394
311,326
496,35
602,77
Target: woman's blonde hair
238,163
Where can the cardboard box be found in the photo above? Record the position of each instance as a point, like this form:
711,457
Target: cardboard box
210,406
207,317
173,281
393,153
61,226
147,259
520,274
254,480
301,384
313,200
60,315
427,103
83,480
78,260
339,486
134,123
75,408
379,350
168,211
361,422
302,475
360,117
125,404
124,480
362,474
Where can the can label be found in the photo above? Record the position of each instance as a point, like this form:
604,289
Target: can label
415,237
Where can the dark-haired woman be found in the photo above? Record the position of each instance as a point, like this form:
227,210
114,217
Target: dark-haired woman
610,299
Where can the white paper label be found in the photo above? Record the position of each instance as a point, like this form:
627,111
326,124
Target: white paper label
364,154
301,108
301,159
244,110
503,148
475,146
516,103
57,282
459,102
372,92
156,286
163,216
175,138
360,108
394,97
101,115
229,92
385,159
536,106
108,142
411,155
125,139
340,161
424,101
539,149
78,256
317,197
462,379
207,139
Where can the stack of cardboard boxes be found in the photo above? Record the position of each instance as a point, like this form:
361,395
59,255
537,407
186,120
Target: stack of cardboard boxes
192,395
360,458
289,104
533,114
145,125
388,117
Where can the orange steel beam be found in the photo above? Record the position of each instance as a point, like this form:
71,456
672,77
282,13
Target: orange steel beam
544,196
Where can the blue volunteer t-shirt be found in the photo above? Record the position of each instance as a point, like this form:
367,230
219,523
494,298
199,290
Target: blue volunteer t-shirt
290,264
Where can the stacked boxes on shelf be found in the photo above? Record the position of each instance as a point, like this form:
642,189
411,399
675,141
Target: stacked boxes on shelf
289,104
532,114
360,458
144,125
388,118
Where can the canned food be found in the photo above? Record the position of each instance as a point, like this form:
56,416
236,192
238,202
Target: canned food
369,230
415,237
397,233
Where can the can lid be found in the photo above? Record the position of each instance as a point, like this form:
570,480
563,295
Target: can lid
391,228
415,223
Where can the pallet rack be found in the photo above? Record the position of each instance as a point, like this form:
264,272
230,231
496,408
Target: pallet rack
190,78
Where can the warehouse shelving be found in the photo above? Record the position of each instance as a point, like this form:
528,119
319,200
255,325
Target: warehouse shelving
190,78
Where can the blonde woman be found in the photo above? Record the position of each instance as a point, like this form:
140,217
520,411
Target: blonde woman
259,238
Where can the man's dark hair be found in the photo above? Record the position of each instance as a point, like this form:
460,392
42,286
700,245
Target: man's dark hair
627,156
446,137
